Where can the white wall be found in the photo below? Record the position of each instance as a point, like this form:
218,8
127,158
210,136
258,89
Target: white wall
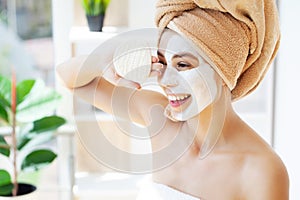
141,13
62,15
287,109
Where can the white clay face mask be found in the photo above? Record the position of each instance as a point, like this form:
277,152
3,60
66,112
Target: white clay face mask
204,88
201,82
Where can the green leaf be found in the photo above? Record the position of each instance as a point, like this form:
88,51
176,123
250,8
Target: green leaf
95,7
47,124
86,7
33,141
22,142
22,134
23,89
38,159
6,185
5,91
41,101
6,190
3,150
3,114
106,2
4,177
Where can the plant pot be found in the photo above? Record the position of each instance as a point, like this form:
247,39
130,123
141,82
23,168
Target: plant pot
25,192
95,22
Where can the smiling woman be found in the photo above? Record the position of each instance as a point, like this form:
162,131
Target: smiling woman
187,79
206,58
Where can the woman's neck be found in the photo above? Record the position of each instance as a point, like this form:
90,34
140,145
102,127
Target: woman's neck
212,126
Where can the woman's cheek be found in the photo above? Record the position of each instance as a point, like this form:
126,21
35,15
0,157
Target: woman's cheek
201,83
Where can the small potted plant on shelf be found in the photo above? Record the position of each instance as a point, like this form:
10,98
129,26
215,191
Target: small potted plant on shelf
95,12
27,112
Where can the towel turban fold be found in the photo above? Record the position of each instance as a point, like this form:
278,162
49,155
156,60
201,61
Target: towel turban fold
239,38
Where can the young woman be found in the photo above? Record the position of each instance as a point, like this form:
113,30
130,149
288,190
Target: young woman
205,150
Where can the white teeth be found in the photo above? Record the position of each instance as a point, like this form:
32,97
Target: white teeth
174,98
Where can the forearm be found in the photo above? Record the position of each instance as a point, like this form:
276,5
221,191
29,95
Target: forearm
78,72
110,98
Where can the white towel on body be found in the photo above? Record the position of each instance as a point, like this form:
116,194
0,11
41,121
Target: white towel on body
154,191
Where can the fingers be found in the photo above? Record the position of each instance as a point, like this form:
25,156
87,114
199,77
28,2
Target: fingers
156,69
154,59
112,76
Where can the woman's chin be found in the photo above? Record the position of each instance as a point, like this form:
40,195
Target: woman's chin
183,114
180,116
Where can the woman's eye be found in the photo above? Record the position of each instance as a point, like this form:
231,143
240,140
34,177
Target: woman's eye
183,65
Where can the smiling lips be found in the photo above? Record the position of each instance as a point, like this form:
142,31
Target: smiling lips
178,100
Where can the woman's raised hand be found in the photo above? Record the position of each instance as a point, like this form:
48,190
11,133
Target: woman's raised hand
156,67
113,77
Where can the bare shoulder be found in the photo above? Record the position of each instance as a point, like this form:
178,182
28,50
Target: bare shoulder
265,176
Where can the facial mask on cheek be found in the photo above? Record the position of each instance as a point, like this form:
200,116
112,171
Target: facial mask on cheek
200,79
202,84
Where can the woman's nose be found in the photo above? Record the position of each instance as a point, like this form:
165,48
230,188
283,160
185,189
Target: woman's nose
169,77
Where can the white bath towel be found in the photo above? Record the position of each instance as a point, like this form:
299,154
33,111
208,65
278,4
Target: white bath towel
150,190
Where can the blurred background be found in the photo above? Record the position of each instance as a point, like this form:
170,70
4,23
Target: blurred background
37,35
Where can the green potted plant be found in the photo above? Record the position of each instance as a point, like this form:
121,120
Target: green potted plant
27,111
95,12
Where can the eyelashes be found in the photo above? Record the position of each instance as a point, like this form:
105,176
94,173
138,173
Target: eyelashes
180,66
183,65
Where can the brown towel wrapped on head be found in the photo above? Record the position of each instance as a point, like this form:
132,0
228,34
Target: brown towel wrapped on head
239,38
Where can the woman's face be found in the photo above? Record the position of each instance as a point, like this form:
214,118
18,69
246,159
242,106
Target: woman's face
189,82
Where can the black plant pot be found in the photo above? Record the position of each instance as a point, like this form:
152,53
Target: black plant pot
95,22
23,189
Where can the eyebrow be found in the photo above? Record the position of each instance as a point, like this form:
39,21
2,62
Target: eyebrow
180,55
184,54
